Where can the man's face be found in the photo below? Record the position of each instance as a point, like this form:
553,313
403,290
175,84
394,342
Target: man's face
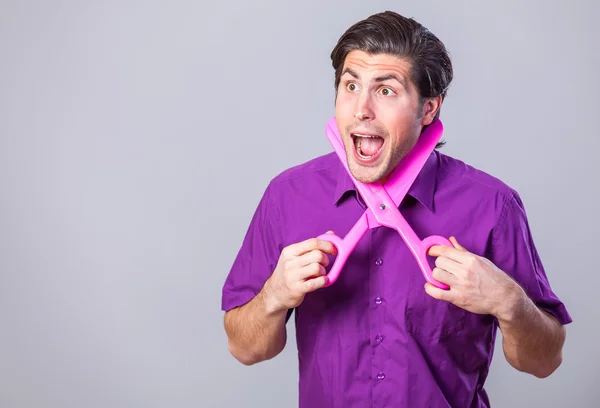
378,113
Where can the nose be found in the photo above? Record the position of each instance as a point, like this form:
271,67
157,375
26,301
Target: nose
364,109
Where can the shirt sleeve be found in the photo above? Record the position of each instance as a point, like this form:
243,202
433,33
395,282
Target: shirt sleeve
514,252
258,256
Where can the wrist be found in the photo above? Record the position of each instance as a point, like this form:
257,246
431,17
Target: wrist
271,304
513,304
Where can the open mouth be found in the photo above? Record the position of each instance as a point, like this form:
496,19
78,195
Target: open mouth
367,147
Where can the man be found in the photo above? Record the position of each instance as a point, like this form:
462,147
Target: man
380,336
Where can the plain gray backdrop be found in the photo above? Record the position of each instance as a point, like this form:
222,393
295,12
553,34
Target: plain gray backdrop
136,139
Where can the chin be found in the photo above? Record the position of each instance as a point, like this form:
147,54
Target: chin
367,168
366,174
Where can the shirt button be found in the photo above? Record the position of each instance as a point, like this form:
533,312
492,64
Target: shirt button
379,262
378,300
379,338
380,376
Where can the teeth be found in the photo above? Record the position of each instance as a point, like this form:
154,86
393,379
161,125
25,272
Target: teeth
357,145
363,156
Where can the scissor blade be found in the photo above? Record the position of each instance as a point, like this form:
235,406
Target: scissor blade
407,170
367,191
411,165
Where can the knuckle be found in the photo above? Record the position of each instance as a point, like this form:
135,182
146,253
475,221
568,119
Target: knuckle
288,279
285,252
308,286
286,288
295,289
472,261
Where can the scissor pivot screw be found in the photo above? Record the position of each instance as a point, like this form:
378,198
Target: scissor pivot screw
382,206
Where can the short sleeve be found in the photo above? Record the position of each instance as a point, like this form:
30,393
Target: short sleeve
514,252
257,257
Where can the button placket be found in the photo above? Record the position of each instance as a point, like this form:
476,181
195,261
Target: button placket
377,320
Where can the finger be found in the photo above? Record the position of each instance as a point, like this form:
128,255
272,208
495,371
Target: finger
436,250
454,254
308,245
333,247
314,256
444,276
439,294
314,284
334,252
448,264
458,246
309,271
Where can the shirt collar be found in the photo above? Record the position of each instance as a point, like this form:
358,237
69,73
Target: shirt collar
422,188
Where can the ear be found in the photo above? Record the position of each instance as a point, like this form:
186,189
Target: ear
430,108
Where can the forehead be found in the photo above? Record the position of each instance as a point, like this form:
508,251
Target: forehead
376,64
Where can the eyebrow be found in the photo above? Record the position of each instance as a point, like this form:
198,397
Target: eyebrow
382,78
389,76
351,72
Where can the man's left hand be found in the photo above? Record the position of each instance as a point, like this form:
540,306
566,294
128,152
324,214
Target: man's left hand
476,284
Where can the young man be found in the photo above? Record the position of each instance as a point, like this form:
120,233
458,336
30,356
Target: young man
379,336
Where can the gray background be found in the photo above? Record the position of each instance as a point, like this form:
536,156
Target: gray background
136,139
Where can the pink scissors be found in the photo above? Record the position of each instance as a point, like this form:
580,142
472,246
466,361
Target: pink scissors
383,201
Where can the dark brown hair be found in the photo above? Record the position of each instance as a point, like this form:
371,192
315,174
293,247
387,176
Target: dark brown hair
390,33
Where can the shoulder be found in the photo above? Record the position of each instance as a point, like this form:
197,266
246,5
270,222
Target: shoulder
319,173
476,194
463,176
303,196
309,170
486,211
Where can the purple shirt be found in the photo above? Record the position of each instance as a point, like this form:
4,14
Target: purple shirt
375,338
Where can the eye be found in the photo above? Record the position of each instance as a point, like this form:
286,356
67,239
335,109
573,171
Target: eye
351,86
387,91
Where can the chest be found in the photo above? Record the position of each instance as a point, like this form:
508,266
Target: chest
381,287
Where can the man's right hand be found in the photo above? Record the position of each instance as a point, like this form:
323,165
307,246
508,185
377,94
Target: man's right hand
300,269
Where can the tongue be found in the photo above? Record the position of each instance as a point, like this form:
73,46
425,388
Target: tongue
370,145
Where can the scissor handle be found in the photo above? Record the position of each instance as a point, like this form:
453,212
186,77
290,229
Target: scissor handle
420,254
344,246
343,252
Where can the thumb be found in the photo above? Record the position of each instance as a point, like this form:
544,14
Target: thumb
457,245
334,249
